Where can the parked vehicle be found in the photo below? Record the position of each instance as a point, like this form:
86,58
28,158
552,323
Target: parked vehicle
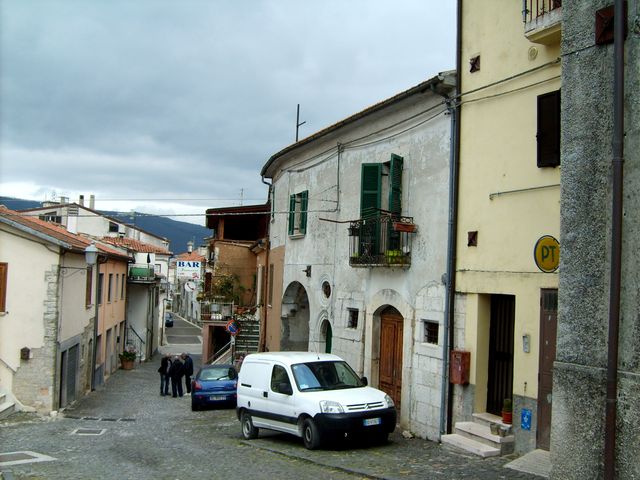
214,385
168,320
315,396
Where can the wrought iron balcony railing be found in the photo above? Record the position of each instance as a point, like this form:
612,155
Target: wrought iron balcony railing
382,240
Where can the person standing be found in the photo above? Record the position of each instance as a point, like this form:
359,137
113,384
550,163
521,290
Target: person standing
176,372
188,370
165,366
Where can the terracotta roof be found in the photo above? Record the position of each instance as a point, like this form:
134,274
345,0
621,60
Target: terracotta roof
191,256
54,232
135,245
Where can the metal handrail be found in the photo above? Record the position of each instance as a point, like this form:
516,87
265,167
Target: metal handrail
216,356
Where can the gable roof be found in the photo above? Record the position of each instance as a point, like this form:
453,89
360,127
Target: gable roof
52,232
135,245
441,83
187,256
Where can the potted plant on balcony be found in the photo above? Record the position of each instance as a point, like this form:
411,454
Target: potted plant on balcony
507,411
128,357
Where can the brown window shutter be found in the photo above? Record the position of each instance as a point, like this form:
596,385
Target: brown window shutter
3,286
548,135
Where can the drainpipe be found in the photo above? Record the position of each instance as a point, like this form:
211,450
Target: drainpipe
616,242
446,393
263,331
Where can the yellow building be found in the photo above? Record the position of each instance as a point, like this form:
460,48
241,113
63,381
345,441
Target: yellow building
508,199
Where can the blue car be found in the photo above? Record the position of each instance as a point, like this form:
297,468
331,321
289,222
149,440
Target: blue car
214,385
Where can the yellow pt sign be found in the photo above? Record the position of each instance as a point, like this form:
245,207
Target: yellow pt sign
547,254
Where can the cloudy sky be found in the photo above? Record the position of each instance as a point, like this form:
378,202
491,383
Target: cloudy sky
173,107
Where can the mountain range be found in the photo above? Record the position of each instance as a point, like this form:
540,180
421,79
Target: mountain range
178,233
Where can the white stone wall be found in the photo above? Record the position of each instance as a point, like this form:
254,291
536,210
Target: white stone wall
333,182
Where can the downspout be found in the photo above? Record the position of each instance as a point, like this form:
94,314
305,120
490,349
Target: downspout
616,242
446,393
265,316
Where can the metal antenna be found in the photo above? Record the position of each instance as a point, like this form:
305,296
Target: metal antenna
298,124
241,195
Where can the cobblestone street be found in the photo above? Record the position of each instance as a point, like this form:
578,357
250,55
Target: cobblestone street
126,430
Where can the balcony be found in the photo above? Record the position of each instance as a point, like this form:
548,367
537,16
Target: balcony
543,21
139,272
381,241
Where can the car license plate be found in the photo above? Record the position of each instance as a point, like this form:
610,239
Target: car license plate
371,421
218,397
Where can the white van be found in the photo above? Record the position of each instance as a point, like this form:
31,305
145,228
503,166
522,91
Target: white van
315,396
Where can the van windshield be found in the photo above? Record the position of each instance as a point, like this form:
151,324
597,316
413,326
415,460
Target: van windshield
325,376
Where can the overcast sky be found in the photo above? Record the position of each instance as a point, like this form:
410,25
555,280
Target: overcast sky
173,107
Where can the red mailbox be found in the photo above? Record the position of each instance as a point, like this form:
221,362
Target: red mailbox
459,365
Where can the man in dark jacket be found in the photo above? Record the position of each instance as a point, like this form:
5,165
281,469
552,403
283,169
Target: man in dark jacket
176,372
165,366
188,370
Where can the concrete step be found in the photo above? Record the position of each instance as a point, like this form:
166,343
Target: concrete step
469,445
6,408
485,418
482,433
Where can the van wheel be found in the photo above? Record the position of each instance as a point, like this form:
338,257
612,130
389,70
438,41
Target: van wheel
248,430
310,434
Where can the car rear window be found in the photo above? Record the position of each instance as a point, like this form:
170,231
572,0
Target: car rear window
222,373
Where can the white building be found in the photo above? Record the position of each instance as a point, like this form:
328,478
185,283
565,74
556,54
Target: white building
358,246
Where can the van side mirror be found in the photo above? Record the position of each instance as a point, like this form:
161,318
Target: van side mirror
364,381
285,388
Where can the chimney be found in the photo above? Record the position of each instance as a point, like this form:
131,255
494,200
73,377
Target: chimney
81,200
64,200
92,202
189,246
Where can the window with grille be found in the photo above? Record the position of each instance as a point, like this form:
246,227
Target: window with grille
3,286
431,332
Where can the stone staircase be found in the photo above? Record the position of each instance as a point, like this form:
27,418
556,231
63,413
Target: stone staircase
476,437
7,406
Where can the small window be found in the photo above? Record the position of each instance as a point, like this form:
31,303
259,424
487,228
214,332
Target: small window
278,378
87,295
117,285
431,331
352,321
122,288
110,288
100,286
3,286
113,227
298,206
474,64
472,239
51,217
326,289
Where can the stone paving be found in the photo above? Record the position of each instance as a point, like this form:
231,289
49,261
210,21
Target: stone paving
147,436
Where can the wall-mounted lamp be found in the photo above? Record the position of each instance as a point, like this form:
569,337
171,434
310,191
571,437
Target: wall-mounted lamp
526,343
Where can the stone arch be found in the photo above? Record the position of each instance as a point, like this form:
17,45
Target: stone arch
294,318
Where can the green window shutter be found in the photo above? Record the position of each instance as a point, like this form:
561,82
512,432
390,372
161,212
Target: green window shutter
395,184
371,187
304,206
292,213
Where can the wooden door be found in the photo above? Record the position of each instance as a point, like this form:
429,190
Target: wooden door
500,378
548,330
391,354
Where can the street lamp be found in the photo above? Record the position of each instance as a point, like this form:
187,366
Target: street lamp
91,257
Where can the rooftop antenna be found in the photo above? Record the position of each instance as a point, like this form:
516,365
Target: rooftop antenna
298,124
241,195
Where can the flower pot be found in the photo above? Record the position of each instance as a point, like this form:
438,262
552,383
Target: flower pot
127,364
495,428
507,417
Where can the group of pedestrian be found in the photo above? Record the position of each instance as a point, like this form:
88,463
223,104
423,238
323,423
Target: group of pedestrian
173,369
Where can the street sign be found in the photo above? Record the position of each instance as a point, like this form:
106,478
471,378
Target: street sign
546,254
232,327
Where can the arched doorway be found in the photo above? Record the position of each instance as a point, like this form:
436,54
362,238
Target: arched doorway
295,319
326,336
390,373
